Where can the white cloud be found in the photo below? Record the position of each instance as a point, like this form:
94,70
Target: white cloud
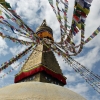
17,49
72,77
80,88
24,38
2,73
14,65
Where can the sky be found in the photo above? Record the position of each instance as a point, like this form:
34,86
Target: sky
33,12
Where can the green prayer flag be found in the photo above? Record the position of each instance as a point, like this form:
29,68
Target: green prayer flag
7,5
7,16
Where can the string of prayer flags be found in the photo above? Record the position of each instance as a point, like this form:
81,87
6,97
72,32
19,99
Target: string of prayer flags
12,60
21,63
1,77
15,39
80,13
91,78
95,33
12,15
20,22
14,29
64,10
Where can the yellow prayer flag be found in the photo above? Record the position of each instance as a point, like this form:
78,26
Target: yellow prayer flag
59,17
63,54
78,25
18,22
65,17
90,38
85,10
57,4
97,31
27,34
0,12
32,44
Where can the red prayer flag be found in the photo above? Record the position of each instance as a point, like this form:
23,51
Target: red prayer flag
83,14
76,30
77,19
1,17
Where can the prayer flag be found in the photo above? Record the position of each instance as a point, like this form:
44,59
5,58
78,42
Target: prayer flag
83,14
1,17
82,20
86,5
76,19
98,28
7,5
64,12
85,10
92,36
97,31
81,3
0,12
12,28
78,25
74,33
76,30
57,1
77,13
7,16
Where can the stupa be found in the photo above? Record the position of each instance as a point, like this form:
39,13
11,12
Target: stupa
40,78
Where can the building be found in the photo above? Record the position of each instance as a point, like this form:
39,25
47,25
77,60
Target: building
40,78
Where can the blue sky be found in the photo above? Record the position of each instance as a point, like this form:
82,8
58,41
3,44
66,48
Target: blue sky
33,12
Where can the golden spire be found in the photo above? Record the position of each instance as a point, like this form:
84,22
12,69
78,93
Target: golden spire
44,23
44,31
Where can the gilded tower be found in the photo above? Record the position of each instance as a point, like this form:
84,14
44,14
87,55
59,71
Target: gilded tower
42,65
